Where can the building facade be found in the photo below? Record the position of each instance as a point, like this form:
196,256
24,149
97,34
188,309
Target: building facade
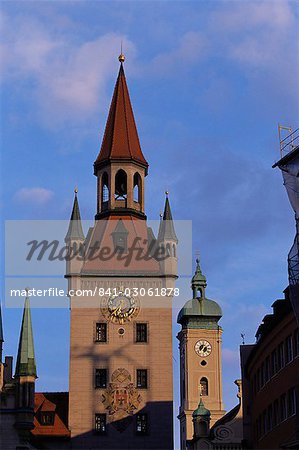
270,374
121,379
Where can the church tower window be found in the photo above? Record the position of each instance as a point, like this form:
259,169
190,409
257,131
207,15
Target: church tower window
105,190
141,332
141,376
141,423
204,386
100,423
137,188
101,332
121,185
101,378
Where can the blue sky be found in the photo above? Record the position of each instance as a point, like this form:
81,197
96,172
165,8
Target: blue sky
209,82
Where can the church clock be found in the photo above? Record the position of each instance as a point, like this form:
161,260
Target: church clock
120,308
203,348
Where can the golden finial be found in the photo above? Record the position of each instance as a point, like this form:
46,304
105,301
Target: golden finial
167,193
27,289
76,190
161,214
121,57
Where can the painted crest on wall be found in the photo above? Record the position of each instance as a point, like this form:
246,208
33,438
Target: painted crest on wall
121,399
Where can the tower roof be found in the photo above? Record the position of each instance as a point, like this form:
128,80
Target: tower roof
26,358
121,140
206,312
166,229
198,279
75,230
201,410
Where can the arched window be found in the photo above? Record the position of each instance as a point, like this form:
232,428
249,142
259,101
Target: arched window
168,252
120,185
137,188
204,386
173,250
105,188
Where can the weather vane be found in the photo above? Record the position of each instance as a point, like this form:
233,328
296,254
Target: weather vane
121,57
243,338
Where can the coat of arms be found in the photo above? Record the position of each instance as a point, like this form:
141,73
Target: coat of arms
121,399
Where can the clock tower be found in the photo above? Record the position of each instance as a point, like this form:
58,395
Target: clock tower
122,281
200,356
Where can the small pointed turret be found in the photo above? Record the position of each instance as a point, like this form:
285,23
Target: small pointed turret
75,230
166,229
199,281
26,365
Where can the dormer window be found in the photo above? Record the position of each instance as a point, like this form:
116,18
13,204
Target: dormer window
46,418
120,237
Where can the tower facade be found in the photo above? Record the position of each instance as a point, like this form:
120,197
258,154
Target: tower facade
121,389
200,356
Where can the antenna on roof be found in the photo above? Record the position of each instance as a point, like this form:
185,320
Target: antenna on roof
287,139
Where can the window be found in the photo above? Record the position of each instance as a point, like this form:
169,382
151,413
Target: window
262,375
100,423
270,417
276,413
141,423
296,343
141,332
283,407
274,365
142,378
267,369
47,418
121,185
258,379
101,378
288,349
204,386
137,188
280,359
101,332
105,189
291,402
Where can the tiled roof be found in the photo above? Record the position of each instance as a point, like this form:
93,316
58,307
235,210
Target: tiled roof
52,402
121,140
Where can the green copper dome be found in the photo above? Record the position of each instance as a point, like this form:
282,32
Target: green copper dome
200,307
201,410
199,311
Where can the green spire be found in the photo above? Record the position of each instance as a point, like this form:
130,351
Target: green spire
26,359
75,230
201,410
166,230
199,281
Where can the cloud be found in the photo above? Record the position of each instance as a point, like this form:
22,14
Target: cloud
67,80
186,53
37,195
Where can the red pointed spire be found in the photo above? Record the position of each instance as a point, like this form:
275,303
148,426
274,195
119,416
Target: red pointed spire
121,140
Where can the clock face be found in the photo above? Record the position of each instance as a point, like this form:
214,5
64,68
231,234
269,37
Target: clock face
121,308
203,348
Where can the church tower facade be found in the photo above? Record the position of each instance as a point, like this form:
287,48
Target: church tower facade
200,357
121,387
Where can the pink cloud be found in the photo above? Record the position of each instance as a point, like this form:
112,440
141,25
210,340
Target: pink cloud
37,195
